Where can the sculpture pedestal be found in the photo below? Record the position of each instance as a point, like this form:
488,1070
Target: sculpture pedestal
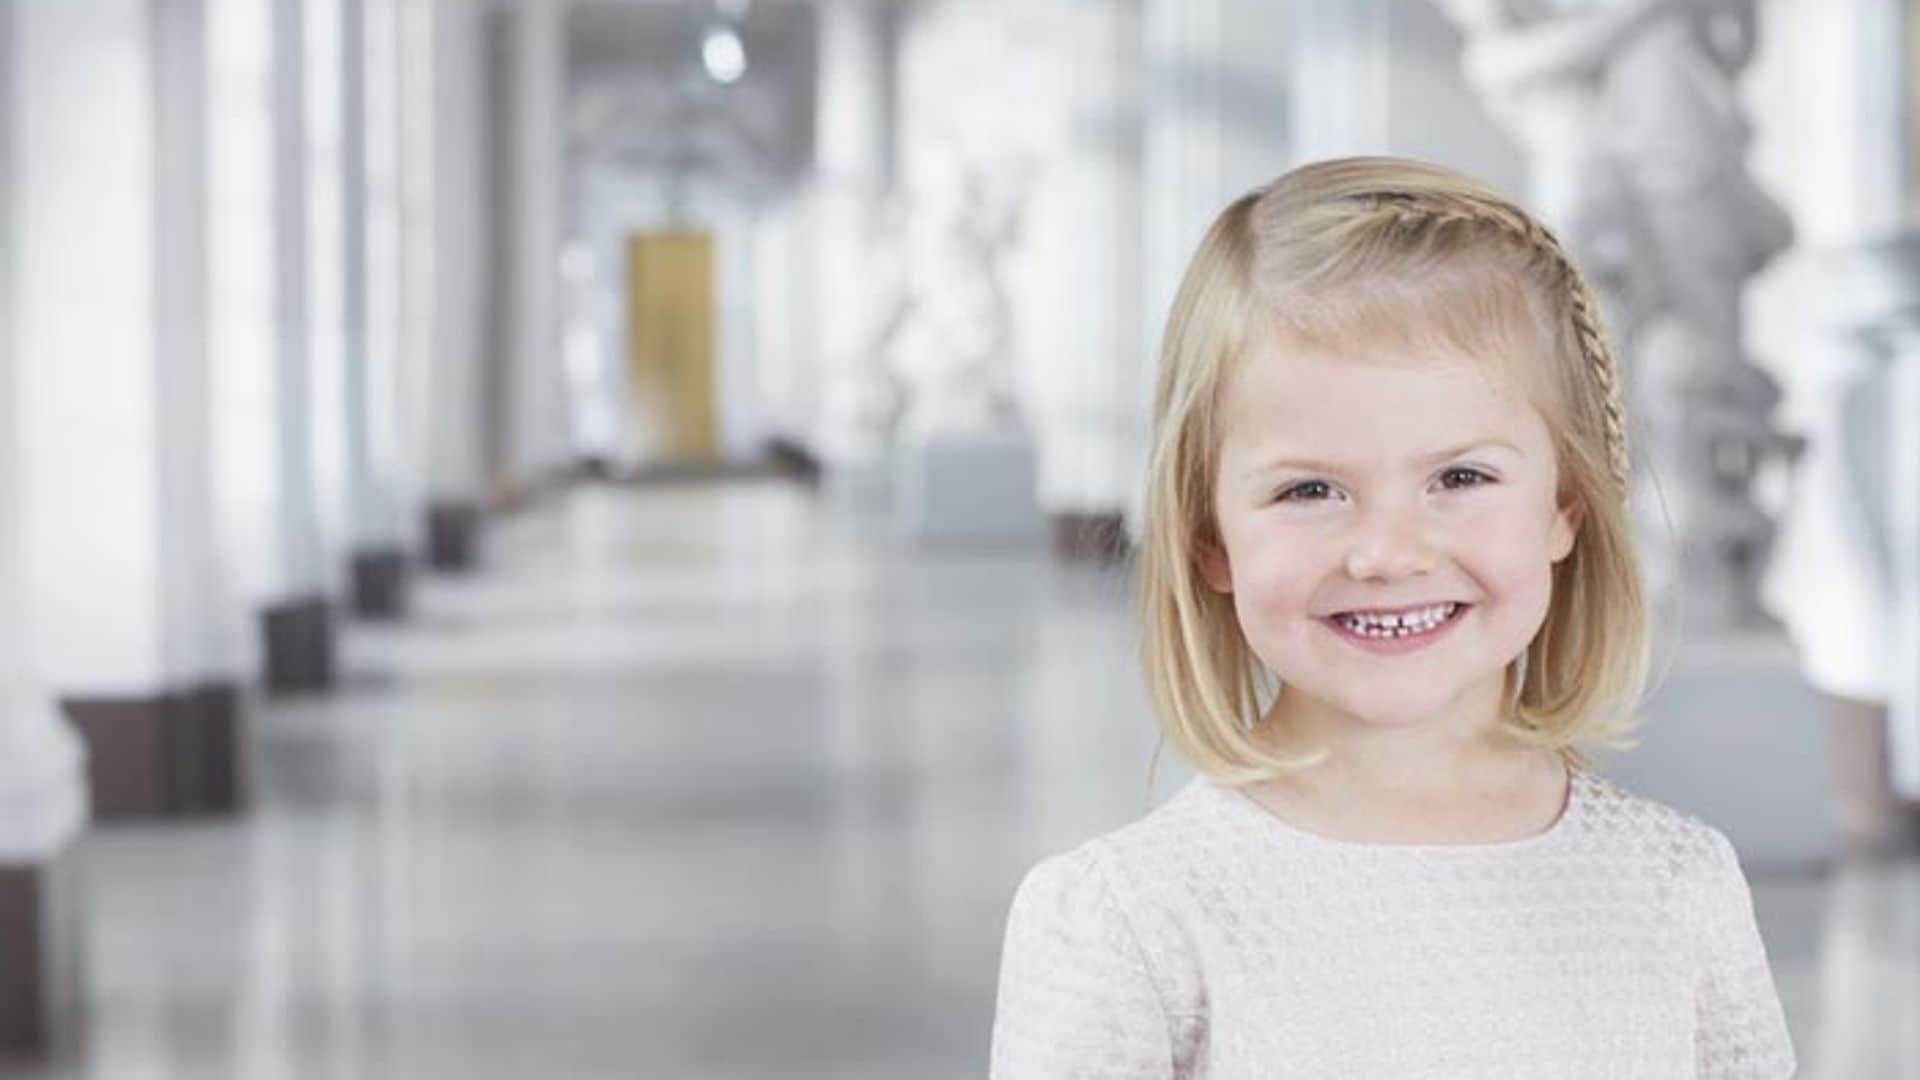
968,486
1735,736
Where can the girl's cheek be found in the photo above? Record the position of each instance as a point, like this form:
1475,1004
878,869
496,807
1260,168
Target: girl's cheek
1510,545
1280,573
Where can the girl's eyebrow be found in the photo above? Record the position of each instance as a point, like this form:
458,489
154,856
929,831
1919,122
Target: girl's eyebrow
1435,458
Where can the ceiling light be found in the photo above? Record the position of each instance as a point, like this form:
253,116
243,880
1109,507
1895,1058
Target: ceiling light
725,57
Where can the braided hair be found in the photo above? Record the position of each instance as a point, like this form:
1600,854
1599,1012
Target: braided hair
1416,209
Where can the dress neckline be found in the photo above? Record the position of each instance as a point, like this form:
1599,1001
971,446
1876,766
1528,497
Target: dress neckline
1246,806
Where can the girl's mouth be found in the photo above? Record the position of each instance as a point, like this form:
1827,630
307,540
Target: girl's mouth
1401,632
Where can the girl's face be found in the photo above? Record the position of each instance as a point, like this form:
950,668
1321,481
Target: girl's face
1360,483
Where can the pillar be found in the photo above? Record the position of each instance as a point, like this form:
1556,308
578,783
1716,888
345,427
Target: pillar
128,601
853,167
259,304
1841,576
1220,116
535,436
383,301
324,95
456,96
43,792
1902,495
1091,419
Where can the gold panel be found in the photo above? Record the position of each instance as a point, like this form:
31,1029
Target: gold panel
670,341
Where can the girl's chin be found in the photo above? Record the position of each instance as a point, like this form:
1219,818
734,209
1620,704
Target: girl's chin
1386,710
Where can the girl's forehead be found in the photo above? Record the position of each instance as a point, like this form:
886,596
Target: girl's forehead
1354,405
1314,377
1487,323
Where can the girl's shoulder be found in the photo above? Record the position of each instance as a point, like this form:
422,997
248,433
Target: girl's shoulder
1629,823
1175,842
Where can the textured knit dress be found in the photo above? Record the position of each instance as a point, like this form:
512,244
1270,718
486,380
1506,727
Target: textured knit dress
1212,939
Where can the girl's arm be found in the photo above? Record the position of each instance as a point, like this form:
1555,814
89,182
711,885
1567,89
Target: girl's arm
1742,1031
1077,993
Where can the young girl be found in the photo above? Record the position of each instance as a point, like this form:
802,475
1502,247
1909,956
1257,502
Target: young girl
1387,581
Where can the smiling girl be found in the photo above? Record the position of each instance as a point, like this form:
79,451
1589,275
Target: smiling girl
1387,581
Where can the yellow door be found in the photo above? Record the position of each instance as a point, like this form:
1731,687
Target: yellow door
670,341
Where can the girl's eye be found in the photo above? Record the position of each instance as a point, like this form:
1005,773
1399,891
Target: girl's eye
1305,491
1462,477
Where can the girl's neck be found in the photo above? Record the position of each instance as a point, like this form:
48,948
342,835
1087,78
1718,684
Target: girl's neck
1462,753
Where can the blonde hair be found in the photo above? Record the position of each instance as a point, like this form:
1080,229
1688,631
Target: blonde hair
1402,253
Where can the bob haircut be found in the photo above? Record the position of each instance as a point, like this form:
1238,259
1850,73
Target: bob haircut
1401,254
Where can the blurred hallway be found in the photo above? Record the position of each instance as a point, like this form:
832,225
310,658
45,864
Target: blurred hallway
594,813
710,782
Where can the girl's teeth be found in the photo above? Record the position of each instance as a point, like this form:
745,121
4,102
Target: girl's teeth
1401,625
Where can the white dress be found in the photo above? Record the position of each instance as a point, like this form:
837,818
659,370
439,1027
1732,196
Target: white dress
1211,939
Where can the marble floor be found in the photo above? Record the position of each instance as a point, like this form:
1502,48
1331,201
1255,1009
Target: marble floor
706,781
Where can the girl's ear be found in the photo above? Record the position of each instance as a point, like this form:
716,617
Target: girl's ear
1210,557
1566,526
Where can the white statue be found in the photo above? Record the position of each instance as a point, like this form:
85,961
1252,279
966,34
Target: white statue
892,303
1630,116
961,371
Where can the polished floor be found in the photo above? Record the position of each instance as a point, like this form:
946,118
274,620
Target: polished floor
709,782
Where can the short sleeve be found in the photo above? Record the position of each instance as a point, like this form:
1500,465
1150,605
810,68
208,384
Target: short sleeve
1077,1000
1742,1030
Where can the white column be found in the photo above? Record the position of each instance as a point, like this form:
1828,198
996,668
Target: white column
362,503
42,786
324,68
455,473
1342,70
851,146
128,603
1842,575
539,439
1903,550
382,302
1826,579
1089,420
375,133
1222,115
417,64
258,306
458,243
302,555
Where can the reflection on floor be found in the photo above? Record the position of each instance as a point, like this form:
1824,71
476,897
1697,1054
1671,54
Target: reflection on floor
707,782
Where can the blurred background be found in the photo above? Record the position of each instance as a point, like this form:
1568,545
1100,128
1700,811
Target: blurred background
587,538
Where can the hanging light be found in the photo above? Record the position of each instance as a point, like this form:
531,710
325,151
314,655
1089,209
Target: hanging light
723,54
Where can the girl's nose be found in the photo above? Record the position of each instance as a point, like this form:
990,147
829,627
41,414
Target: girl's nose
1389,546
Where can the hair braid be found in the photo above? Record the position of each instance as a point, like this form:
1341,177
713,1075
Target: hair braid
1429,208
